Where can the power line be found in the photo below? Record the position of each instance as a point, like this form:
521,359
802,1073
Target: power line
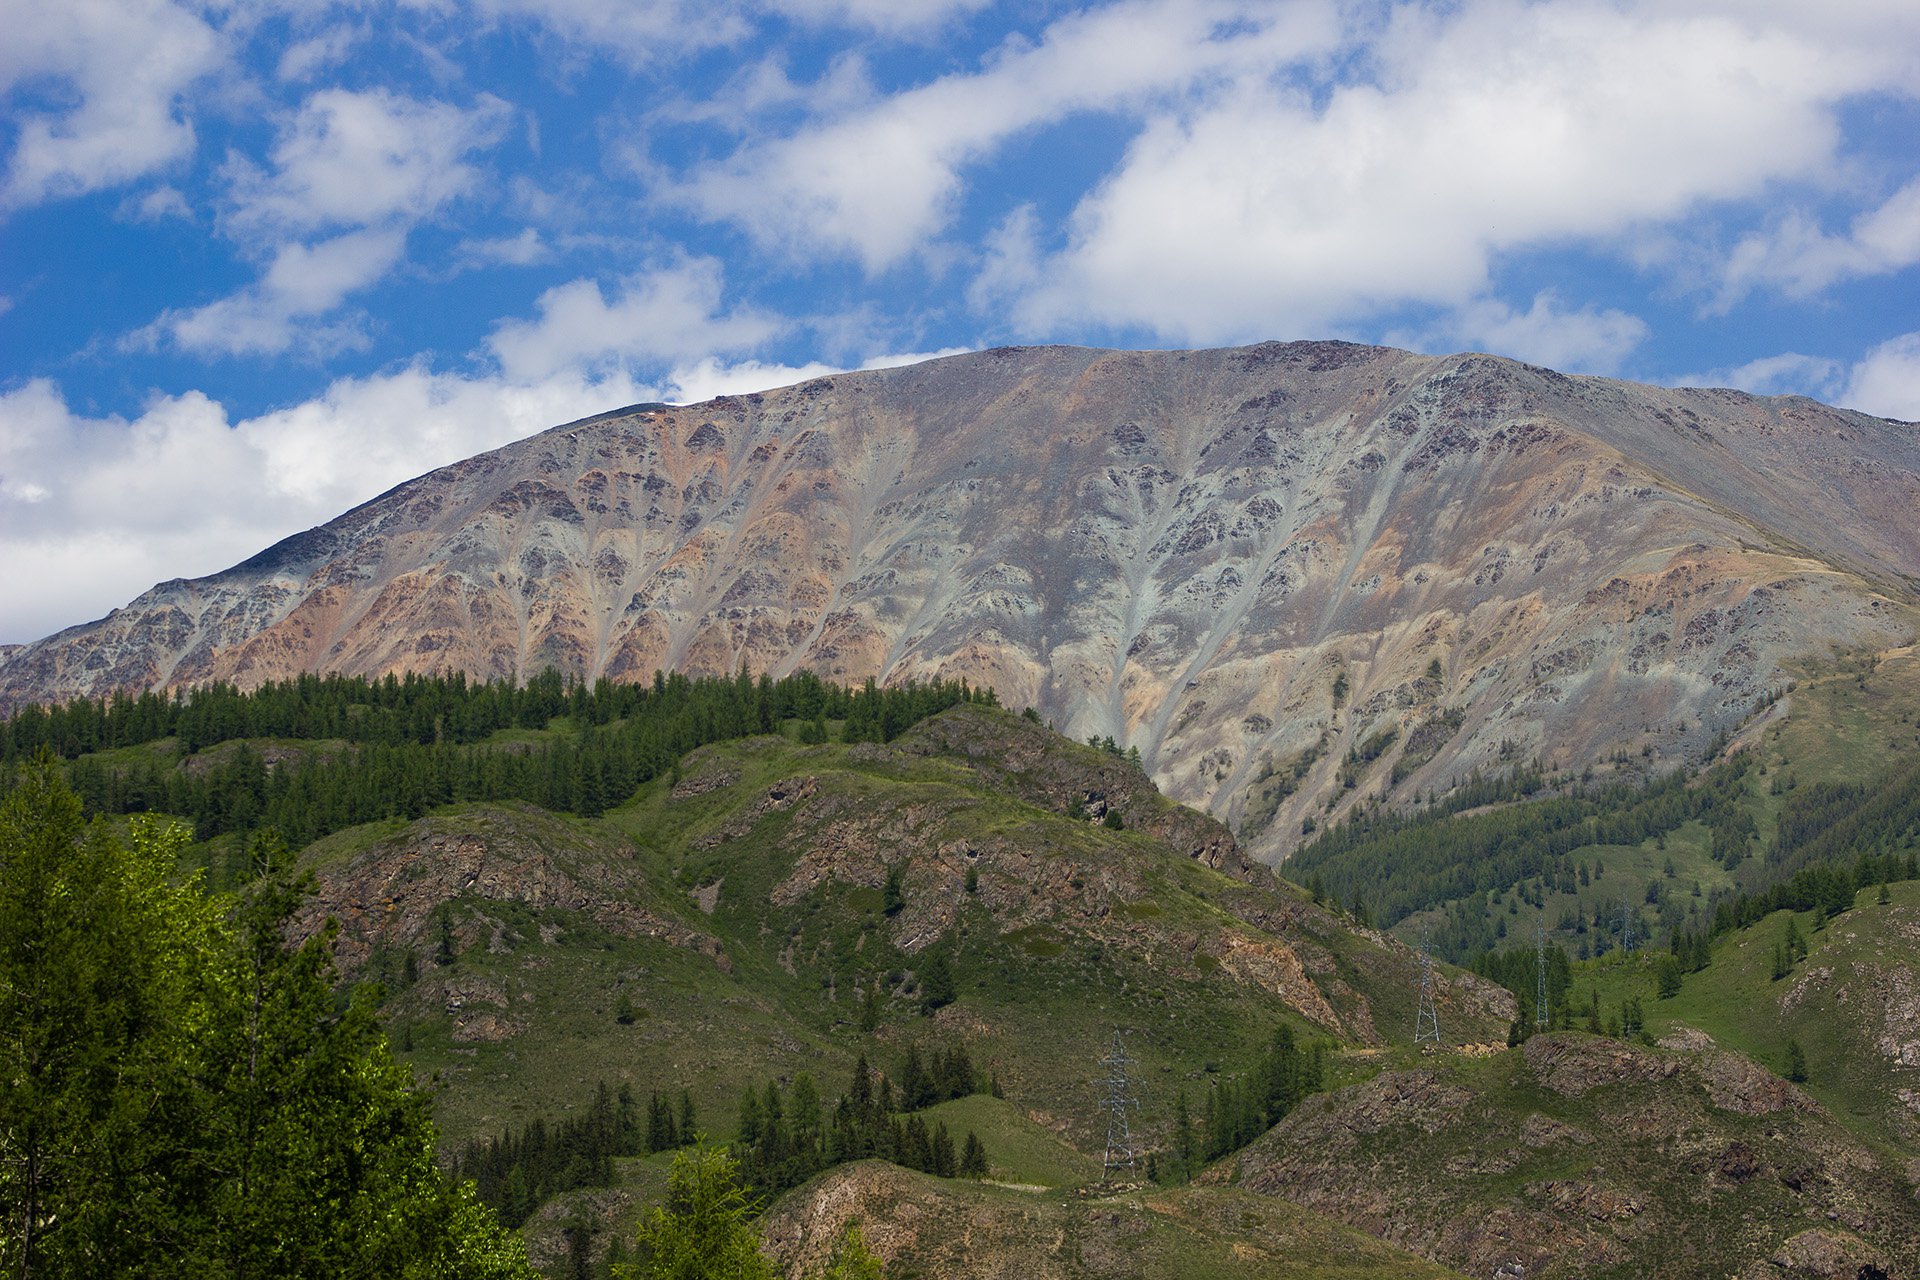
1121,1153
1426,1019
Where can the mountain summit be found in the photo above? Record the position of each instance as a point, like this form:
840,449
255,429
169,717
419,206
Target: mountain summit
1296,577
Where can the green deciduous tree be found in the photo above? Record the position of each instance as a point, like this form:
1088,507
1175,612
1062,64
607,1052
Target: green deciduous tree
181,1095
704,1231
852,1260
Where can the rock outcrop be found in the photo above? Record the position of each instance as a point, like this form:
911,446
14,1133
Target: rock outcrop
1245,563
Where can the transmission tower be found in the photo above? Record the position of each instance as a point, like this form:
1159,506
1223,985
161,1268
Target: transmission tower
1121,1153
1626,928
1540,1016
1426,1019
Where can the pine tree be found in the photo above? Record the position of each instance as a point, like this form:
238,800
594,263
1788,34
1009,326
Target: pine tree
973,1159
1796,1062
936,980
940,1158
1183,1138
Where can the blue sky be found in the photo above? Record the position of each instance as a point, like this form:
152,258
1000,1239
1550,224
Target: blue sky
260,261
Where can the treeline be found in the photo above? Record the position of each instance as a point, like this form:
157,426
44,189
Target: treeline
786,1136
444,709
1518,969
521,1169
1828,888
1239,1110
621,737
1829,822
1386,866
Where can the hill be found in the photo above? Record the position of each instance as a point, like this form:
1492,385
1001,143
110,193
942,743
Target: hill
717,926
743,909
1298,578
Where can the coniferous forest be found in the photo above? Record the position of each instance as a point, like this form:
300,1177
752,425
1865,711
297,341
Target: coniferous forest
176,1068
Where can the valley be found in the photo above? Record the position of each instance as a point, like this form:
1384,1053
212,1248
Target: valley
833,773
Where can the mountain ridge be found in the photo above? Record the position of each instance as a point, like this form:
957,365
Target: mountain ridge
1249,563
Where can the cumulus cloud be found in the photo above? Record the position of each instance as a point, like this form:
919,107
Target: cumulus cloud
94,511
672,314
644,32
351,158
641,31
1887,381
300,282
1789,373
1800,258
367,165
1584,339
892,16
522,250
879,181
1495,128
118,70
303,59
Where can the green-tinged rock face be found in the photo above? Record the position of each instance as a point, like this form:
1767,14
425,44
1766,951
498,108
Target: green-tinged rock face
1297,578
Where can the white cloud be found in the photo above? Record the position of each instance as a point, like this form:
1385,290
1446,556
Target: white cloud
368,166
644,31
301,282
301,60
1800,258
672,314
1496,127
1787,374
1887,381
159,204
879,181
1582,340
119,68
523,250
358,158
707,378
892,16
94,511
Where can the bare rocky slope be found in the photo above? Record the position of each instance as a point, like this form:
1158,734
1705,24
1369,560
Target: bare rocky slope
1244,562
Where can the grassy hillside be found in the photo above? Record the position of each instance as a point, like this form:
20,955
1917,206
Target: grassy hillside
1577,1155
741,908
1489,878
1852,1005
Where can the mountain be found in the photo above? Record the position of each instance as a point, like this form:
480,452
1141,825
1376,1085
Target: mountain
776,904
729,926
741,906
1296,577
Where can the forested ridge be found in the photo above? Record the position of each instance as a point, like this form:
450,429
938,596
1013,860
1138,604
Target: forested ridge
169,1064
1393,864
400,747
1827,841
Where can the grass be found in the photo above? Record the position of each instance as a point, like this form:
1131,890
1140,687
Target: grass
1020,1150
